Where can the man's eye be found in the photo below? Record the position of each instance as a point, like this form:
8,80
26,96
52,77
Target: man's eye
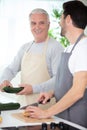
42,23
33,23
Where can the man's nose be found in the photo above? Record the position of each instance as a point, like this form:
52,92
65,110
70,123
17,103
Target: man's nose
37,26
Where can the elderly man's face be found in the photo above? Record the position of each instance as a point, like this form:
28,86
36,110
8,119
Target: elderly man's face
39,27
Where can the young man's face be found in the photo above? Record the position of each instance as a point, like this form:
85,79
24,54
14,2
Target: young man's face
39,27
63,25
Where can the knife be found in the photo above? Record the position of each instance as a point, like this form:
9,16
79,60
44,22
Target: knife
34,104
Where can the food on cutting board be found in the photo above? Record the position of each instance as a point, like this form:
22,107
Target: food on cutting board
0,119
9,89
26,114
9,106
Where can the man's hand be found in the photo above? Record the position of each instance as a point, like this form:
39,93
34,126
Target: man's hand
5,83
27,89
36,112
44,97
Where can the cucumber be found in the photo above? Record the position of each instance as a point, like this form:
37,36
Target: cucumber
9,89
9,106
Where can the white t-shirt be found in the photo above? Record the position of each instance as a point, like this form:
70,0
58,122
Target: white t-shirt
78,59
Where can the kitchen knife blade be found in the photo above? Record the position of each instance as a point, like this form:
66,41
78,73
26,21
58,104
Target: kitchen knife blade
34,104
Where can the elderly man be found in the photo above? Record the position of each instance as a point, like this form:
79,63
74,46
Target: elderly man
37,60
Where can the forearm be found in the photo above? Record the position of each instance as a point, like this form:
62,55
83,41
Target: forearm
67,101
15,65
75,93
7,75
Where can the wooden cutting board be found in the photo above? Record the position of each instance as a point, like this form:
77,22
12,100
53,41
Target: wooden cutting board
21,117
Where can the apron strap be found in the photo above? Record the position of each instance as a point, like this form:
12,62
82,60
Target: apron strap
45,46
29,46
79,38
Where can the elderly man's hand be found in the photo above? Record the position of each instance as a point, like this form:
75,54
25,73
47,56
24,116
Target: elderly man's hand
5,83
27,89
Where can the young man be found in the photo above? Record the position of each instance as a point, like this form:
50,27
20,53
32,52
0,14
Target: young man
37,60
71,79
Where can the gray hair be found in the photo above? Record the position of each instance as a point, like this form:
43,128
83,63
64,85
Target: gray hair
39,11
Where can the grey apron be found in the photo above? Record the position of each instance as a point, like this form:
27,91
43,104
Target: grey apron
77,113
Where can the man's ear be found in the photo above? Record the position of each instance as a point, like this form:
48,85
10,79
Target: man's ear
68,19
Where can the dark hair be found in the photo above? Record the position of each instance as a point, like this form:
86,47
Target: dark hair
78,12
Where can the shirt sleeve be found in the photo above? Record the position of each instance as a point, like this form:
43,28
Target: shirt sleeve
81,62
12,69
53,58
77,61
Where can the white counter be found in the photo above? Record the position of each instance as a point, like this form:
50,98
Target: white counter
9,121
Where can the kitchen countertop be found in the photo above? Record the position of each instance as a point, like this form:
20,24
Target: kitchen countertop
9,121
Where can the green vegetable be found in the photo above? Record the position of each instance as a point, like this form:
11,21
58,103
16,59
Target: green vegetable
9,89
9,106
